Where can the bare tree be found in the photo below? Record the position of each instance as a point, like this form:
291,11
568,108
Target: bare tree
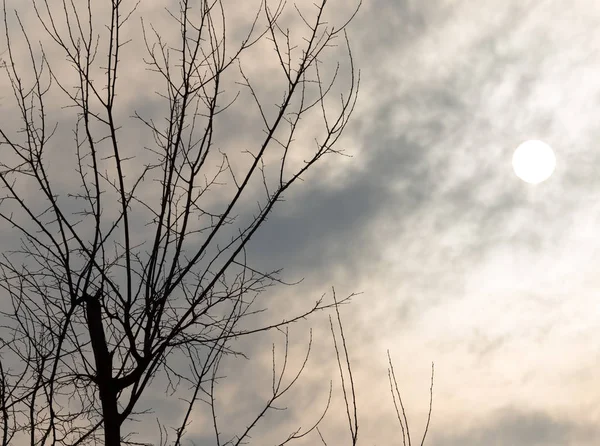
401,412
135,266
146,255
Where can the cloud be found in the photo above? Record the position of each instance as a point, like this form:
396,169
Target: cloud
515,427
460,263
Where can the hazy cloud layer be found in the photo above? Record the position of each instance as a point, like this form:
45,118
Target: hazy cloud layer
459,262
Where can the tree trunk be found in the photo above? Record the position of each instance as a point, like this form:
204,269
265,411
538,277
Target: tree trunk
104,379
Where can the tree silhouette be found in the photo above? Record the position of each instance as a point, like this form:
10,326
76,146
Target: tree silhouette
141,253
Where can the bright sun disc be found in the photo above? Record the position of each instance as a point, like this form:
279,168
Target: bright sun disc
534,161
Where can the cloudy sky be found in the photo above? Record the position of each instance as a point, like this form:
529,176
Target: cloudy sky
459,262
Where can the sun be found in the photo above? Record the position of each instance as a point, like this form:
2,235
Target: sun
534,161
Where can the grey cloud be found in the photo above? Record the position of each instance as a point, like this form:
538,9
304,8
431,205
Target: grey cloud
515,427
406,169
329,226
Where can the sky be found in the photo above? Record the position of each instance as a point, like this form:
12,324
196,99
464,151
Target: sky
457,261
